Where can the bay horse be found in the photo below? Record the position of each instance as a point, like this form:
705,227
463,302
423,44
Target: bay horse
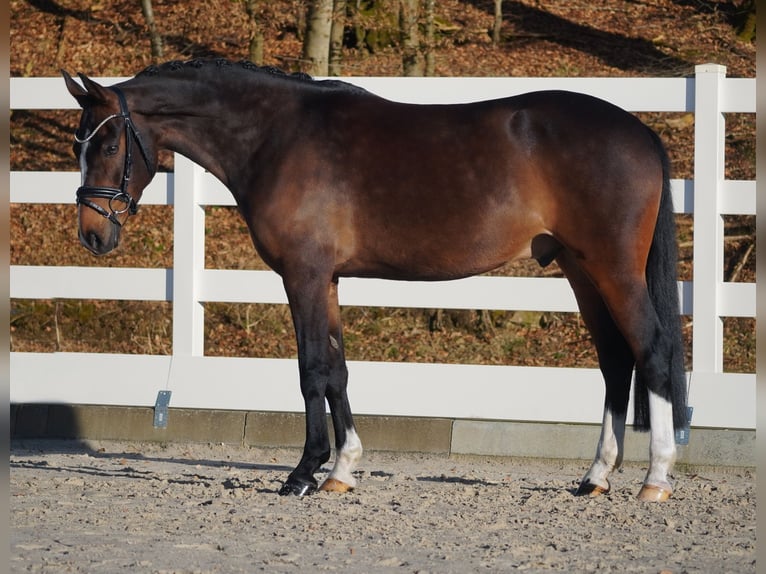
334,182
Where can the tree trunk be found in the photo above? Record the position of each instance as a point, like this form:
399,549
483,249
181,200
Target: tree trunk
498,22
154,35
336,37
316,45
408,22
255,50
430,58
746,31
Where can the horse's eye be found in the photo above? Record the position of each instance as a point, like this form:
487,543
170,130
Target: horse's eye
111,149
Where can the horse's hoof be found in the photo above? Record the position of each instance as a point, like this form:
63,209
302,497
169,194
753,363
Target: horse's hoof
297,488
592,490
335,485
652,493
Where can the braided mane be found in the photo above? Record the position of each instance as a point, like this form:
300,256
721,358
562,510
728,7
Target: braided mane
197,63
224,63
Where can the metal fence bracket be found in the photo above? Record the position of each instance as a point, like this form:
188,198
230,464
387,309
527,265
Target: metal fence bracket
682,434
161,409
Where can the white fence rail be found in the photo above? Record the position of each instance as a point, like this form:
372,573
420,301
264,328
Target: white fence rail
721,400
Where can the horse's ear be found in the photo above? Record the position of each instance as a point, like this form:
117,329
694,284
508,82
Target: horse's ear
97,92
78,92
92,93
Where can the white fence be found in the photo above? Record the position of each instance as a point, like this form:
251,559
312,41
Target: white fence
721,400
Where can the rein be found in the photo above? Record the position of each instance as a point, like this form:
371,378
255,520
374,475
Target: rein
87,192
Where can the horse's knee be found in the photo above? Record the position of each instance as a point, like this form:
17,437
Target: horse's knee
338,380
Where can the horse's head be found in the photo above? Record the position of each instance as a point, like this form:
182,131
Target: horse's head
112,179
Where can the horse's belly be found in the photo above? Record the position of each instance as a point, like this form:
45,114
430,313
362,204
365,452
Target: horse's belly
435,258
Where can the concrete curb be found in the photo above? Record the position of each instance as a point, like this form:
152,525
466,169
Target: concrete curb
707,447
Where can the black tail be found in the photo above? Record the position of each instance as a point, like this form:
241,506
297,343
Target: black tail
661,278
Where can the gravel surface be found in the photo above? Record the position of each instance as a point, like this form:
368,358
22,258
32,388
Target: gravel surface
117,507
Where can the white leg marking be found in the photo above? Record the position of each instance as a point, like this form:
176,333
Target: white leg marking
347,458
662,446
610,450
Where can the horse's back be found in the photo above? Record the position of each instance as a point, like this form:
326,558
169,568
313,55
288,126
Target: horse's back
487,148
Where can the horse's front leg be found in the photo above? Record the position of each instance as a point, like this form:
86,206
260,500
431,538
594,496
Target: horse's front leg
308,306
316,449
323,375
348,447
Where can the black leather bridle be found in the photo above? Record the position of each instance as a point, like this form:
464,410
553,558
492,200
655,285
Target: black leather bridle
87,192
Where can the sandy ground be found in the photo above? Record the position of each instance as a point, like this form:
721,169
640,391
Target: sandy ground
132,507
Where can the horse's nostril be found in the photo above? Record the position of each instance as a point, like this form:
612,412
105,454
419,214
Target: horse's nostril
93,242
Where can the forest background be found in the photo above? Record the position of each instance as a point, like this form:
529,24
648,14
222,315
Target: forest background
519,38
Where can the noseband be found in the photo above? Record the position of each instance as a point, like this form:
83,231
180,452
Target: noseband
86,192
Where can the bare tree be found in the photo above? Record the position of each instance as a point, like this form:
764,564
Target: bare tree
746,29
255,48
498,22
408,22
316,44
336,37
154,35
430,59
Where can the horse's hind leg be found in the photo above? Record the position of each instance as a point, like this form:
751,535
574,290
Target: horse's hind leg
627,298
348,447
616,364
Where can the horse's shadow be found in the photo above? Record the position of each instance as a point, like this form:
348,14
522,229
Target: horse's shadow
457,480
123,468
495,484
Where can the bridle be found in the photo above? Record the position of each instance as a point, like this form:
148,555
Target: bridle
86,192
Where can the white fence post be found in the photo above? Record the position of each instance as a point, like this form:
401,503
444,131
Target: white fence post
188,259
709,138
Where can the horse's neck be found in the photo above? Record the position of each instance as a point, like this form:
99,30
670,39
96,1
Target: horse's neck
204,128
191,139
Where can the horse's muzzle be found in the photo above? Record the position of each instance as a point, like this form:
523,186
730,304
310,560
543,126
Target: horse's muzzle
101,243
